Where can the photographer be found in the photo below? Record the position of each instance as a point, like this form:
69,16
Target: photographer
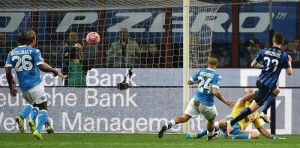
74,67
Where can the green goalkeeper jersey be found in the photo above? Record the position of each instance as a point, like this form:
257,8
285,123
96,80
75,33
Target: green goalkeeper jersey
76,76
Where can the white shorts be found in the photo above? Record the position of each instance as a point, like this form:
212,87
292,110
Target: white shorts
208,112
35,95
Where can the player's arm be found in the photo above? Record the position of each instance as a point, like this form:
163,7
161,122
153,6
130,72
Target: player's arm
255,64
194,78
215,90
267,134
264,132
11,81
249,93
47,65
289,69
44,67
59,74
218,94
191,82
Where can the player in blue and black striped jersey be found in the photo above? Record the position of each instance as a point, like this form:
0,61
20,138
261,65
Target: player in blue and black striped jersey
273,60
208,81
28,62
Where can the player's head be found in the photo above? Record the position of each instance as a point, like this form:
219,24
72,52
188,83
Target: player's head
79,48
278,38
213,60
27,38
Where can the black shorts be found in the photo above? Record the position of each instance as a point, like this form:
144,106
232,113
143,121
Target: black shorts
263,93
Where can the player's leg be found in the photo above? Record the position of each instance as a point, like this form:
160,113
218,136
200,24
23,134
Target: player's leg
204,131
38,95
33,115
267,105
24,114
259,99
196,135
42,118
245,135
210,128
26,111
237,133
210,113
32,123
177,120
211,134
48,127
190,111
32,110
173,122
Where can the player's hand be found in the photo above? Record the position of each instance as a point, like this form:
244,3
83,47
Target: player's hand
277,138
189,82
13,91
290,58
61,75
229,103
13,83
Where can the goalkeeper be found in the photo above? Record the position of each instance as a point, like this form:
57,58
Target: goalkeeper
238,131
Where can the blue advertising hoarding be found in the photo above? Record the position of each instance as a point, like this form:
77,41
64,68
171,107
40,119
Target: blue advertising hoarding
147,25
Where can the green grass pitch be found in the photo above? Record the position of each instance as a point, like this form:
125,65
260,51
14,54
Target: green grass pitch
109,140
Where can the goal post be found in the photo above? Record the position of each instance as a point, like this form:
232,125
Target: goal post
197,45
186,59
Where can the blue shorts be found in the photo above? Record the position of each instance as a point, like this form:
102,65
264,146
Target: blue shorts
235,128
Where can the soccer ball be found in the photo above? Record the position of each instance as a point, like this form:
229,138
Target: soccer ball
93,38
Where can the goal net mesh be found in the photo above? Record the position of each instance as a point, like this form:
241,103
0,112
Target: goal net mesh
140,34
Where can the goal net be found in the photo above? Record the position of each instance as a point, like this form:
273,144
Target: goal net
145,35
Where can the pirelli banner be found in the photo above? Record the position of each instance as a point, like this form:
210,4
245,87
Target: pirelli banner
154,98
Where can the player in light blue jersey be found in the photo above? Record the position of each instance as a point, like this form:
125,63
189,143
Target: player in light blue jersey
239,131
208,81
27,62
273,61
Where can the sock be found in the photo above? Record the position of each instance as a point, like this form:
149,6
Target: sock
171,123
269,101
244,113
211,133
202,133
47,122
42,118
34,113
242,136
26,111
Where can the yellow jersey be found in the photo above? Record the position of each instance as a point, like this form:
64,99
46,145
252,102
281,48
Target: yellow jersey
254,117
